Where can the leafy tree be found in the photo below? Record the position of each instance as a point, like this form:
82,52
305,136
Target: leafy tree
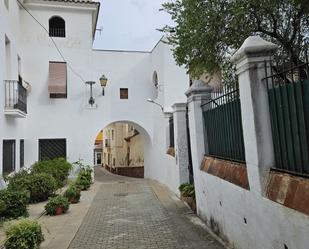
207,32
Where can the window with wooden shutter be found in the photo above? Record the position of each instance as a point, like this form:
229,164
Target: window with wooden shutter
124,93
57,84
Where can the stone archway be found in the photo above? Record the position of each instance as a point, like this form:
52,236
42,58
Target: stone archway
146,143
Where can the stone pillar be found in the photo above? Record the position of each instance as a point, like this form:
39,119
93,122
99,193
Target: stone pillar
250,64
197,94
181,141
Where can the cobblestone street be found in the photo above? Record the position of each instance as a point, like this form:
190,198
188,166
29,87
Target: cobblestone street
138,214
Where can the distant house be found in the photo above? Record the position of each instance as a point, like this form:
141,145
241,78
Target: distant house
123,147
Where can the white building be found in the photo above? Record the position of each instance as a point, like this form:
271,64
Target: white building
58,115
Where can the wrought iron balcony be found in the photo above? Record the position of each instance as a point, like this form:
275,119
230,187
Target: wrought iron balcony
15,99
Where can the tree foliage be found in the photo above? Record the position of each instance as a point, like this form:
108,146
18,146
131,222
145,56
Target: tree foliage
207,32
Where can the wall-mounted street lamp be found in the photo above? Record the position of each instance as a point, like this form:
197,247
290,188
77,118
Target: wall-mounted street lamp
103,82
153,102
91,100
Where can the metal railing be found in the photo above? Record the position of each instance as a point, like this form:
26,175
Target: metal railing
15,95
223,125
171,132
288,94
57,32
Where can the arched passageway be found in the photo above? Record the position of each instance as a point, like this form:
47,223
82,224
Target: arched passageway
119,147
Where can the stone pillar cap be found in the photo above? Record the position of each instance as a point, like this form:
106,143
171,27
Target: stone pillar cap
198,87
180,107
254,45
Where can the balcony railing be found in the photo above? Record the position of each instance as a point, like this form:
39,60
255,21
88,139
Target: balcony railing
15,96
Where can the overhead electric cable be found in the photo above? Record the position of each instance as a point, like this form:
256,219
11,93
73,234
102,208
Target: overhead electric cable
53,41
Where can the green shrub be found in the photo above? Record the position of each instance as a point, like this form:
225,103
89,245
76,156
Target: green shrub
40,186
25,234
2,206
187,190
59,168
19,181
84,178
13,204
72,194
83,184
182,186
55,203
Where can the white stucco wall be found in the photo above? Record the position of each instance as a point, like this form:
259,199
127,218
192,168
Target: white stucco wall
269,224
10,128
70,118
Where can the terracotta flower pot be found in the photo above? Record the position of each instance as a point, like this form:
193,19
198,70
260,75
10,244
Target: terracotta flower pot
59,210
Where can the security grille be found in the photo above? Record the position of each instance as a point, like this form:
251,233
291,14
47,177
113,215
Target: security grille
52,148
8,160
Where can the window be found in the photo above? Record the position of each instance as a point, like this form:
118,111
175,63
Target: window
57,84
124,93
109,160
114,161
113,134
56,27
155,80
171,132
22,153
6,3
52,148
8,154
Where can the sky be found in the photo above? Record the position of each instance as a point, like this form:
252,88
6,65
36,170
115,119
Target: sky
130,24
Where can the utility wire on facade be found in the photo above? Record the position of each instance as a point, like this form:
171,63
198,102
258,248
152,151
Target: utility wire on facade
55,44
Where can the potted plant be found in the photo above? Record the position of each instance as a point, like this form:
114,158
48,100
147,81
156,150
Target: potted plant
84,178
188,195
23,234
57,205
72,194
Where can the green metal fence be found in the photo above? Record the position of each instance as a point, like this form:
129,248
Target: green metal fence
223,125
288,93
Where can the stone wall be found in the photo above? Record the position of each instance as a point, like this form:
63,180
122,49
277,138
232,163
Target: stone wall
249,206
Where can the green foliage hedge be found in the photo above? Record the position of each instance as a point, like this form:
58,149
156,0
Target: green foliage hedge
25,234
40,185
13,204
55,202
59,168
19,181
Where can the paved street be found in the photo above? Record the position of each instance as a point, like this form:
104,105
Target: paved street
138,214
